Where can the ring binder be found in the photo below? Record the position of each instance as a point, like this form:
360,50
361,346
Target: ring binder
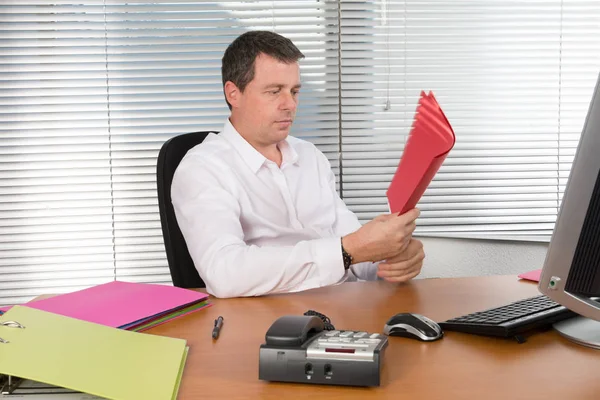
9,384
55,350
12,324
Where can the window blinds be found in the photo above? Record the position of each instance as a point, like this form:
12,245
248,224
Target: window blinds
580,56
515,80
56,218
90,91
164,79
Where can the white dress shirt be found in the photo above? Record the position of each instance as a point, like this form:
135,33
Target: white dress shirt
253,228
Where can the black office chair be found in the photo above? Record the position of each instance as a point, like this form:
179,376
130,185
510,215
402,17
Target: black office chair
183,271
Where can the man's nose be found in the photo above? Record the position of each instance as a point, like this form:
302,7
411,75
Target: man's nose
288,101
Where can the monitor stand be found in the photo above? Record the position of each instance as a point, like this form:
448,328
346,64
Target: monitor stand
581,330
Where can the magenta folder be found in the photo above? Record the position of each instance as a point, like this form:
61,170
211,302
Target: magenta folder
123,304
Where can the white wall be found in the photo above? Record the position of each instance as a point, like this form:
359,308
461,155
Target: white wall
468,257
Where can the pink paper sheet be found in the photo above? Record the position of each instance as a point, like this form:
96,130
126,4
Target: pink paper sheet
117,303
532,275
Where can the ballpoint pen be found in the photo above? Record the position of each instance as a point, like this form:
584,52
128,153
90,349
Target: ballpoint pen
217,329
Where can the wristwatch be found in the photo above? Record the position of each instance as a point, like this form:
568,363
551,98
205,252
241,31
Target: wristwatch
346,257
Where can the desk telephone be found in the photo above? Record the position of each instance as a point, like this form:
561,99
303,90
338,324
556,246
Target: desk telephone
298,349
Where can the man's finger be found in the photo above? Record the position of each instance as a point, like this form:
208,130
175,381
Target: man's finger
401,268
404,278
409,248
410,215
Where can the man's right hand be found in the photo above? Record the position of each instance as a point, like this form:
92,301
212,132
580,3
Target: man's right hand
384,237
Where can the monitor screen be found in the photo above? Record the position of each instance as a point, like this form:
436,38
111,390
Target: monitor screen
571,271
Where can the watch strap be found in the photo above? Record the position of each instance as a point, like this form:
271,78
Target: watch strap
346,257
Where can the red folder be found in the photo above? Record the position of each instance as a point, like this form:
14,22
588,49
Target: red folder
430,140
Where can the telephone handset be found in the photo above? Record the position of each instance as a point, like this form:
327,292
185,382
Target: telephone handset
297,348
293,330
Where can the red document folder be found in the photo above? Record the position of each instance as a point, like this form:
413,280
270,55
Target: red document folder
430,139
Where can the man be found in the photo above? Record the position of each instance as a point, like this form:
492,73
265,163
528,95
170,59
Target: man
258,208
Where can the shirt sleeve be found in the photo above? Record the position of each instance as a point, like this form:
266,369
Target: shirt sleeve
209,218
346,222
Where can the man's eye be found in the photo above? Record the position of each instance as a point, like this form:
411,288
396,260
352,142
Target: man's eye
295,92
274,91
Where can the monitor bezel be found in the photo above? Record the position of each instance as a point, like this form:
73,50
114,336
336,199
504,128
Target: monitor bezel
572,212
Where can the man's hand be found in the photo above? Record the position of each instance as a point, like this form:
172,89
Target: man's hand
384,237
405,265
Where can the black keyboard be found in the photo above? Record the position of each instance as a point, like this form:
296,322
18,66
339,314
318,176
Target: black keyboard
512,319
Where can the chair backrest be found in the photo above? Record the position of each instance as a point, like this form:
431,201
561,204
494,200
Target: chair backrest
183,271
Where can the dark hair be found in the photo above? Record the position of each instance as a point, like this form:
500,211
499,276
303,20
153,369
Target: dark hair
237,64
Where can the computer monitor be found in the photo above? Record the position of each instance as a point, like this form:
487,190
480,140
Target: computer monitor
571,271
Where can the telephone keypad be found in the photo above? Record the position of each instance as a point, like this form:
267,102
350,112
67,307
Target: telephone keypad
350,337
358,345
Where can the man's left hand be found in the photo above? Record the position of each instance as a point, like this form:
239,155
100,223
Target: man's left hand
405,265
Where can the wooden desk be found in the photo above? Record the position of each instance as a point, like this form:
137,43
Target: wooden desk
459,366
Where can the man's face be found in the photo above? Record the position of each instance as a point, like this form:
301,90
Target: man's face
264,112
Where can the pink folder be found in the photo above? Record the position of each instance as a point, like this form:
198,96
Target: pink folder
119,304
531,275
430,140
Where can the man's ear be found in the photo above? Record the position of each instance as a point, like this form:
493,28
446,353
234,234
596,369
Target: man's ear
232,93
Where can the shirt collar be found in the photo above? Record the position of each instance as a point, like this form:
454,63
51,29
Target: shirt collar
250,155
289,155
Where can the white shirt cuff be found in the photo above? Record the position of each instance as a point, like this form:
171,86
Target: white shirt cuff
328,254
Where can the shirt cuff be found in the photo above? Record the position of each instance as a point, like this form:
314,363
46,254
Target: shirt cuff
328,255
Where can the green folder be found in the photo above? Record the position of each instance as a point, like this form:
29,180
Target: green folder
87,357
